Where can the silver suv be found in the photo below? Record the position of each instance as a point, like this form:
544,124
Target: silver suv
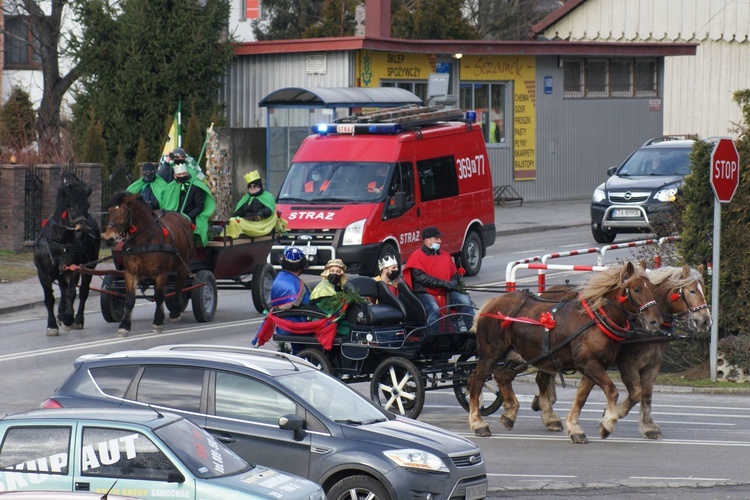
278,410
637,196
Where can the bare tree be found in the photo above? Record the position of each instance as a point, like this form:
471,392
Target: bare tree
44,20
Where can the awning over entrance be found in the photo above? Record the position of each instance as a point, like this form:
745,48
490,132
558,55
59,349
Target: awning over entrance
341,97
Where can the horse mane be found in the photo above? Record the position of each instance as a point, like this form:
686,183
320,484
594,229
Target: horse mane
76,191
137,204
600,284
674,277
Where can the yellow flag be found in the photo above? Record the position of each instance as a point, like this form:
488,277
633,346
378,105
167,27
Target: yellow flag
172,138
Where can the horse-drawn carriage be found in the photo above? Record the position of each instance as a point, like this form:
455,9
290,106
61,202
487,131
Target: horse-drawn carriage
391,345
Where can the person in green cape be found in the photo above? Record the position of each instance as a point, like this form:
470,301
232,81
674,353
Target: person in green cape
329,295
255,213
150,186
192,198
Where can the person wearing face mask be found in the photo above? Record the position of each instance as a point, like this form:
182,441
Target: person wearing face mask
255,213
324,293
317,182
192,198
150,186
389,273
433,277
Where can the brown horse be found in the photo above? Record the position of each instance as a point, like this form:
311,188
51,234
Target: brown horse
583,335
678,292
154,246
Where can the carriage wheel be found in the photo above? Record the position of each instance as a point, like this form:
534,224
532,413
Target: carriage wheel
461,390
204,297
397,386
113,307
318,358
262,282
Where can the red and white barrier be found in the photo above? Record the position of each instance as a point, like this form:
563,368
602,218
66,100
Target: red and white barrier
511,282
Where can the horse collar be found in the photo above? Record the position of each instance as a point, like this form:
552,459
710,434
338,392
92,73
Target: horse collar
605,324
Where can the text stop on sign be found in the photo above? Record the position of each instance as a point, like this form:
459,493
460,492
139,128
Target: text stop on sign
725,169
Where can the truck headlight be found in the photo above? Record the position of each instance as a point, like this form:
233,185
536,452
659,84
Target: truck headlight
353,233
666,194
416,459
599,194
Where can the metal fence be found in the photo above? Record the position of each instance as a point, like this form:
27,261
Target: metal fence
32,212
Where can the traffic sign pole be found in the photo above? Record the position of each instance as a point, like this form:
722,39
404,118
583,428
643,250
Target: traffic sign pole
725,177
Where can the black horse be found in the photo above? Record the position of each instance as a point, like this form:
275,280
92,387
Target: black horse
69,237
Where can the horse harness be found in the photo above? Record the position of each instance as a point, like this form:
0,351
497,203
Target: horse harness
128,230
55,249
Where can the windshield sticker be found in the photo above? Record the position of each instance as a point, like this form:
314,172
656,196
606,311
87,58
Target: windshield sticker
201,452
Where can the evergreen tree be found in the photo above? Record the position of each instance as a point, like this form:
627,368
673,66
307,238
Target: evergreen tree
193,136
143,57
17,122
94,149
337,19
288,19
141,156
430,20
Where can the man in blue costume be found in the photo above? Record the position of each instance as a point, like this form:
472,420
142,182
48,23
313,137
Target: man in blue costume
288,290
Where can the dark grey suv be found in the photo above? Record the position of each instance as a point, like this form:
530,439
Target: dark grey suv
278,410
637,196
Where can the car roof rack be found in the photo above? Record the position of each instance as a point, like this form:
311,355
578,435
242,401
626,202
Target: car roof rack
253,351
678,137
408,116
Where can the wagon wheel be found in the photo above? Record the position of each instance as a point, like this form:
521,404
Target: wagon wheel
113,307
318,358
462,392
263,276
204,297
397,386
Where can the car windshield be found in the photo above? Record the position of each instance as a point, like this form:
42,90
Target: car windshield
332,398
657,162
335,182
199,451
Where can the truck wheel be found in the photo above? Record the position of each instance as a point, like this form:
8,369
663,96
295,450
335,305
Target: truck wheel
601,236
263,276
113,306
471,254
358,487
204,297
397,386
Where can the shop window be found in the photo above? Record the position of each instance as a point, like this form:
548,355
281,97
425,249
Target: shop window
489,101
610,78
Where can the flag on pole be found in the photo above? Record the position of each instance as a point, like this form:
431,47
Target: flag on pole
174,139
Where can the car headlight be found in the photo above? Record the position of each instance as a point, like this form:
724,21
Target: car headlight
416,459
666,194
599,194
353,233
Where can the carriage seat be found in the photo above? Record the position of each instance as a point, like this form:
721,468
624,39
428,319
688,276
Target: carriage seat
415,310
382,308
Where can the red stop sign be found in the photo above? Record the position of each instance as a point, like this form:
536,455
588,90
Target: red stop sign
725,169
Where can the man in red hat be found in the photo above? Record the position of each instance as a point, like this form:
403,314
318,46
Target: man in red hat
433,277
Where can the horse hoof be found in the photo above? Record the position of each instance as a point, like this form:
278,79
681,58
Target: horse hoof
157,328
579,438
535,403
653,434
174,320
67,328
507,423
78,326
122,333
483,431
555,427
53,332
603,431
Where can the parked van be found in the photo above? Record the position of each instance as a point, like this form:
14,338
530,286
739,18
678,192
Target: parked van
366,185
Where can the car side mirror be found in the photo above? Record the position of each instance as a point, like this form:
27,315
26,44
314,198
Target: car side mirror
175,477
397,202
611,171
294,423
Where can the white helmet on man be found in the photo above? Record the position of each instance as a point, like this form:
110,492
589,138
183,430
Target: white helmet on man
387,261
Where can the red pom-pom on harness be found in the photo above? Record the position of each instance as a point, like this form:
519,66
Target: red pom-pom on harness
547,320
64,215
622,299
674,296
192,226
165,231
132,229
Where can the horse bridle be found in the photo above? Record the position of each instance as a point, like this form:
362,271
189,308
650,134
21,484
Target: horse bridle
690,310
124,228
627,297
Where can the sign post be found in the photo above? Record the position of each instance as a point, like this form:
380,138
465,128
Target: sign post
725,177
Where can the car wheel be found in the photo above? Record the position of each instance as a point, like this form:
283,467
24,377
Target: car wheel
471,254
601,236
317,358
358,488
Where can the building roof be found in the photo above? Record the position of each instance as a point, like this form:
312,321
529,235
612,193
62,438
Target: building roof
555,15
339,97
474,47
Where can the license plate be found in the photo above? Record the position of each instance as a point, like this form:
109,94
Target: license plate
626,212
310,250
345,128
476,492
